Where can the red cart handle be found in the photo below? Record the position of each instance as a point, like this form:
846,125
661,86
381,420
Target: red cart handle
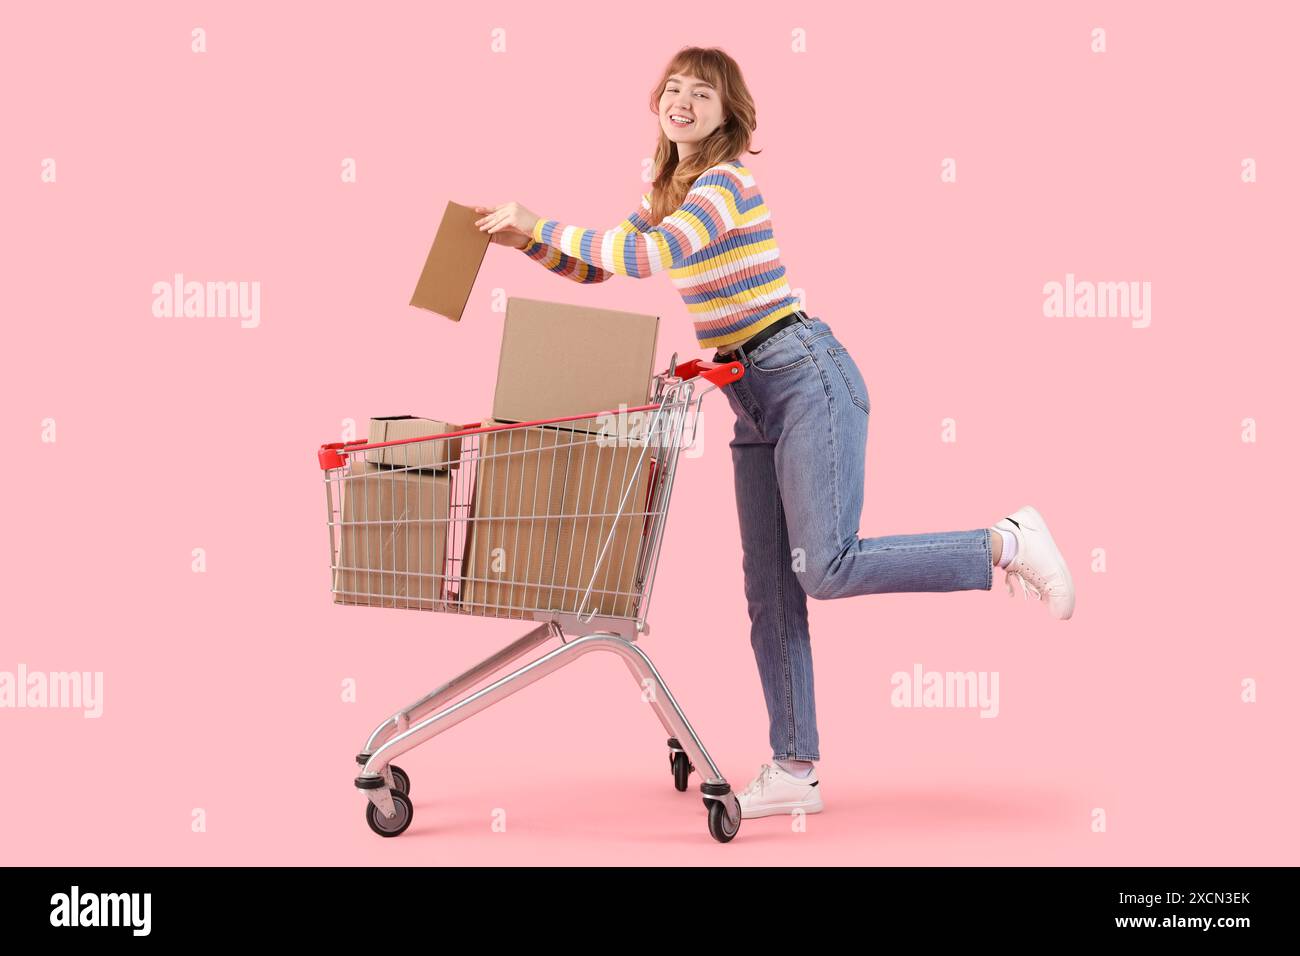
719,373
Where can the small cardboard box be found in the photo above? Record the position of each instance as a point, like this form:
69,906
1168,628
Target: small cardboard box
452,264
392,542
559,360
436,454
544,504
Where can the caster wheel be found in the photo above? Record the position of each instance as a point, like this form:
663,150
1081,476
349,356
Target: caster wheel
681,771
401,781
719,828
396,826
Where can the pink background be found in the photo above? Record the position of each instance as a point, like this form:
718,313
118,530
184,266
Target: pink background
222,689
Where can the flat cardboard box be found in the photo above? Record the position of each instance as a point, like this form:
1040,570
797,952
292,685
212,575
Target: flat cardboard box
559,360
452,264
436,454
393,536
544,503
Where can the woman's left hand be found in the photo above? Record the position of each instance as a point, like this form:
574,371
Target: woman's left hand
506,216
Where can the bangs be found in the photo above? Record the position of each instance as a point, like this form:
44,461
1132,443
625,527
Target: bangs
699,65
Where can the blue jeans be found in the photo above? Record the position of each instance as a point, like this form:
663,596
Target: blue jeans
799,454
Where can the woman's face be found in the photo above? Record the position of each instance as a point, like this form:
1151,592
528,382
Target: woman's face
694,99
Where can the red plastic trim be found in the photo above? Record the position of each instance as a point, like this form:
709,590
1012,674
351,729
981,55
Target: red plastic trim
336,453
719,373
333,455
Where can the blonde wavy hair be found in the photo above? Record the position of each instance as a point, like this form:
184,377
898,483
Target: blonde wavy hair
674,177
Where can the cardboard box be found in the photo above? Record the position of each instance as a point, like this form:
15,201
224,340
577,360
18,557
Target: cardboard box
437,454
392,542
561,360
544,503
452,264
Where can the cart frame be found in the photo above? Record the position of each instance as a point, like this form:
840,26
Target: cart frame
675,406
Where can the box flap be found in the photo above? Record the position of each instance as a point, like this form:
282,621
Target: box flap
453,263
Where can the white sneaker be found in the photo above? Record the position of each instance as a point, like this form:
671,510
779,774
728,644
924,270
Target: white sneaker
775,791
1038,561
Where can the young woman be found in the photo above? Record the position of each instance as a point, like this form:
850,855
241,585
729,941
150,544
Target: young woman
799,446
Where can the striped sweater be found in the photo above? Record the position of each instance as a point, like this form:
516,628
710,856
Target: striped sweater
718,247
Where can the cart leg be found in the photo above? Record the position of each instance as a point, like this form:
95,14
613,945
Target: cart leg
402,720
674,721
715,788
674,745
655,705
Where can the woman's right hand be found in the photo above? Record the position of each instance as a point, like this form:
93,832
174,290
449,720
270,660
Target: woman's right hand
509,236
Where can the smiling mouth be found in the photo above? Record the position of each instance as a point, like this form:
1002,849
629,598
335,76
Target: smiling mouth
673,120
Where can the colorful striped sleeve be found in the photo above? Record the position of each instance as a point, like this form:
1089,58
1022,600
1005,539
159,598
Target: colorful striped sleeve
714,206
576,269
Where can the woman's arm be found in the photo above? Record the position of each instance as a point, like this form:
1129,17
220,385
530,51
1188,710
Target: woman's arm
714,206
576,269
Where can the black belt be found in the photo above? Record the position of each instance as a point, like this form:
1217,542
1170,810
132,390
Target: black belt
759,337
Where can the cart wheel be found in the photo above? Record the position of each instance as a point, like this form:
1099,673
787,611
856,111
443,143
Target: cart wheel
681,770
719,828
396,826
401,780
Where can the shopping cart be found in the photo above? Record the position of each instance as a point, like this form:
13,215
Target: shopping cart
558,521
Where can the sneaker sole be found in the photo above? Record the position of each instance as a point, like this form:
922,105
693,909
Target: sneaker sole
784,808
